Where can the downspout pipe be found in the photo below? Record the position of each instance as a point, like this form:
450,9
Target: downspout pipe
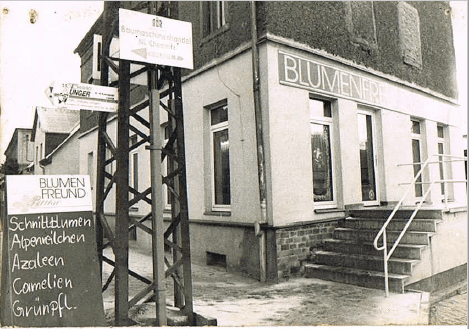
260,146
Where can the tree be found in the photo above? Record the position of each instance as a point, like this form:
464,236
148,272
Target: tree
10,167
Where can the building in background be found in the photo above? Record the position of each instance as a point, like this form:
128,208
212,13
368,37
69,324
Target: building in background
354,97
51,128
20,148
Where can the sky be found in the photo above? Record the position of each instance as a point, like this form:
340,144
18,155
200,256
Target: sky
32,56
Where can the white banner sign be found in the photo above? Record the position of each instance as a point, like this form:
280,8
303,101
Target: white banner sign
31,194
153,39
81,96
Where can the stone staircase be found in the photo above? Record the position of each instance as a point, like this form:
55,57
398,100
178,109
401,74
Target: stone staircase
350,257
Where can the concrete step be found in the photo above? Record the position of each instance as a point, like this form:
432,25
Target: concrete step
362,278
402,213
410,237
364,262
409,251
418,224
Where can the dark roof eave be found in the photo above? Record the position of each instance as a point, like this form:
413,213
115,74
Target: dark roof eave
46,161
88,38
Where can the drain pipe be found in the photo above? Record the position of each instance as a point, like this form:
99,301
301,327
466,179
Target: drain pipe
260,148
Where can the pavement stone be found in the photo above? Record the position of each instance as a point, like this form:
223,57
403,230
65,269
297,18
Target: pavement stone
450,311
236,300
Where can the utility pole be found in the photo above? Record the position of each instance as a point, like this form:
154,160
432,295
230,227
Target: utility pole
164,94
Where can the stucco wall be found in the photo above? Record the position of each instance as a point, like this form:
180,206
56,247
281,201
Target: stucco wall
289,150
65,161
323,25
40,138
233,82
447,248
236,32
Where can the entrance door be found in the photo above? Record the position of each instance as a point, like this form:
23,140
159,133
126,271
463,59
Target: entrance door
368,163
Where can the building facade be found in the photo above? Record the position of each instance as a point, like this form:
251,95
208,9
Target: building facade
20,148
354,97
53,129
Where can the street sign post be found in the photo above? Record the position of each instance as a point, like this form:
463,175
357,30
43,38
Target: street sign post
154,39
80,96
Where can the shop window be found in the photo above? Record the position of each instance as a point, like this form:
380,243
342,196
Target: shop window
213,16
322,153
220,157
417,155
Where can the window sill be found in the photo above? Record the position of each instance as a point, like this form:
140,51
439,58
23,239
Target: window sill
214,34
218,213
328,210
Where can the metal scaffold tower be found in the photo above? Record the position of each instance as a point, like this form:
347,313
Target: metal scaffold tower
164,94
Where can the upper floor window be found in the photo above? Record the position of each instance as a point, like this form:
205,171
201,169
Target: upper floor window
213,16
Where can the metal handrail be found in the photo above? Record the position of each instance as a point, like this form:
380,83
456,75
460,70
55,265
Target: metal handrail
382,232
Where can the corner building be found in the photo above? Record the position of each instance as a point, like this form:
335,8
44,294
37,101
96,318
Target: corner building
351,94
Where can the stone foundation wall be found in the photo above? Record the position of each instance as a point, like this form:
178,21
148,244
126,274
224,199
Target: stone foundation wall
296,246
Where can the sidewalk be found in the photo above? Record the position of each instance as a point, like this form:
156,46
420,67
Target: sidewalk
234,300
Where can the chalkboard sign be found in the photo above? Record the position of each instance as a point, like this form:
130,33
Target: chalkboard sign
50,271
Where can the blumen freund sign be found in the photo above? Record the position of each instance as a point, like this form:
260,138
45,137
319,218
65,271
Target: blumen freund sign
50,270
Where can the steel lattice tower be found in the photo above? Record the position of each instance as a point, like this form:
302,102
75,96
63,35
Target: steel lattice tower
164,90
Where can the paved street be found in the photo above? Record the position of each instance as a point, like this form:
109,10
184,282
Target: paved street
451,311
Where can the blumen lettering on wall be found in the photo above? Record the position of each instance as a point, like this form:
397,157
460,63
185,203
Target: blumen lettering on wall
312,75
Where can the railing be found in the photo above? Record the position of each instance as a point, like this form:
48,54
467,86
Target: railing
382,232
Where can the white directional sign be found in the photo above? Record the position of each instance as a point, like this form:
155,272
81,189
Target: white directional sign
80,96
153,39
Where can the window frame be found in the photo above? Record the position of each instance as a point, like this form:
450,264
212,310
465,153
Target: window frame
418,137
221,126
329,121
205,14
442,167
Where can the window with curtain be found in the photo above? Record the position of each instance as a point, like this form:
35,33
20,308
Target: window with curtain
322,153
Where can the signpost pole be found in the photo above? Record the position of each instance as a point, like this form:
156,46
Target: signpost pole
156,192
122,197
101,141
157,202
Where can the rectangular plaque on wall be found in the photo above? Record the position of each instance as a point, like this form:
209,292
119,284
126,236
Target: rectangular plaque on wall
409,34
50,270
